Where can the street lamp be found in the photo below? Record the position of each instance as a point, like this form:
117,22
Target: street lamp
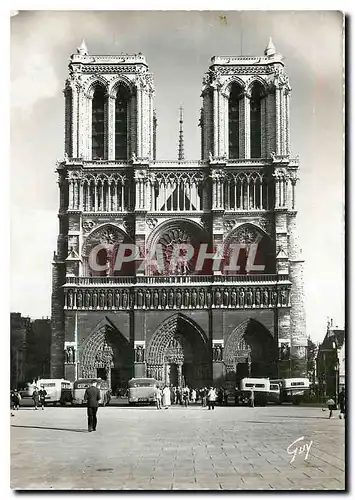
249,365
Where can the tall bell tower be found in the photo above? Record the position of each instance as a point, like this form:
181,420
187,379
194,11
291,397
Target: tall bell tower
245,134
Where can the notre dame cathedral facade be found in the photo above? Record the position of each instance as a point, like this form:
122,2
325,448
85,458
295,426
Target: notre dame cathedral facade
194,327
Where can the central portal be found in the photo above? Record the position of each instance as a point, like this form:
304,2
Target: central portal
177,355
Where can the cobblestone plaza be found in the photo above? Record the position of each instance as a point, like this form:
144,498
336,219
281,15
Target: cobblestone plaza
179,448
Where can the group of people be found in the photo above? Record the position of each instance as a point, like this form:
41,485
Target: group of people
38,397
332,406
184,396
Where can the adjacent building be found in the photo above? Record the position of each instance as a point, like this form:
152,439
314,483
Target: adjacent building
19,327
30,349
331,361
179,325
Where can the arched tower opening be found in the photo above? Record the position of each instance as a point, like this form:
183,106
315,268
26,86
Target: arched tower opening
255,120
98,123
235,97
121,122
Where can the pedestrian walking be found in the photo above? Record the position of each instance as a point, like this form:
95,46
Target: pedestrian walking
158,395
179,396
211,398
342,403
225,397
42,393
92,397
15,400
166,397
204,396
252,399
331,407
35,397
193,396
186,396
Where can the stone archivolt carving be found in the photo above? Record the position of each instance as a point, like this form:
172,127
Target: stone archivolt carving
151,223
88,225
229,224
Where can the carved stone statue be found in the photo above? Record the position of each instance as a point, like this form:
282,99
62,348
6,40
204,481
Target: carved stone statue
117,299
94,300
70,299
187,298
202,298
274,298
87,299
163,299
156,299
70,355
249,297
266,297
102,299
66,355
178,299
209,299
217,298
139,298
124,299
147,299
109,299
193,298
79,299
234,298
241,297
257,297
171,299
225,298
139,354
283,297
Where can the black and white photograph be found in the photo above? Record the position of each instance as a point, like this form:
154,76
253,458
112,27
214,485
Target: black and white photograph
177,260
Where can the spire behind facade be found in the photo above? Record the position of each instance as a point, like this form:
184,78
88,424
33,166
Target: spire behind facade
270,49
181,137
83,50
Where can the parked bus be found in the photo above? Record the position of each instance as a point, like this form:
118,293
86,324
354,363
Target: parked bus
82,384
292,390
274,393
260,388
141,390
58,390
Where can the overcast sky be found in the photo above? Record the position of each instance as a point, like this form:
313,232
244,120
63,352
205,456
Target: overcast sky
178,47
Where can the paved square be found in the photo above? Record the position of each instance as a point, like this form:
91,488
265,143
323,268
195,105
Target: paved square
179,448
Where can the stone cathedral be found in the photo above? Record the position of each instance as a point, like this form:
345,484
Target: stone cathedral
190,326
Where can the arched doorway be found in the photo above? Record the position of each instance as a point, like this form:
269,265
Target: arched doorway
178,355
108,355
251,351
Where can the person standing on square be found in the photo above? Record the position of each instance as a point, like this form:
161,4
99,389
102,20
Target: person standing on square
92,397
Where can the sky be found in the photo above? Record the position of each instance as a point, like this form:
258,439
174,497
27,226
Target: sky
178,47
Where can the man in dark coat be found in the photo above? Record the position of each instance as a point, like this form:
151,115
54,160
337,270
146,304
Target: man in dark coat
92,397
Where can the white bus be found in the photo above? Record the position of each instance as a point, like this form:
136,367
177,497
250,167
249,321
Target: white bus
58,390
260,388
292,390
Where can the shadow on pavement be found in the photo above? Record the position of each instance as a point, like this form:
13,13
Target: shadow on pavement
49,428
